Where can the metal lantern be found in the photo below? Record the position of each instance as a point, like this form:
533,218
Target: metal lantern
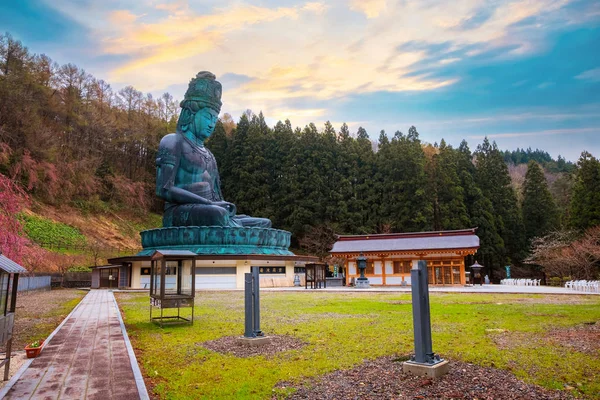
362,282
476,268
172,283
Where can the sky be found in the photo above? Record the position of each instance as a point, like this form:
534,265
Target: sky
522,73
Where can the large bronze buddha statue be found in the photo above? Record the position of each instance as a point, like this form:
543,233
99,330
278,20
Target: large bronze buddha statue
187,176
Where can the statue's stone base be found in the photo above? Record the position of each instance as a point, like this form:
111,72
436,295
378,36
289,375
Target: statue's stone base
362,284
256,341
218,240
431,370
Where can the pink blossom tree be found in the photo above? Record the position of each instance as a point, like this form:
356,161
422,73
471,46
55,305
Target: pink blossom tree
13,242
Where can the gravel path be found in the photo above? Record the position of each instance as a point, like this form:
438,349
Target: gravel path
383,379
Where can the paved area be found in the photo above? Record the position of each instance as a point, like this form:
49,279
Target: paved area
88,357
449,289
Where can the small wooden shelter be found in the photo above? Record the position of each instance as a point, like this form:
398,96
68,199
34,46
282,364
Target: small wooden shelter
9,281
172,283
315,275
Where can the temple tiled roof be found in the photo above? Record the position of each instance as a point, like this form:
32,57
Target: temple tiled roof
8,265
426,241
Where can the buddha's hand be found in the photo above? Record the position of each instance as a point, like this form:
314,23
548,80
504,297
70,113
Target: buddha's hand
230,207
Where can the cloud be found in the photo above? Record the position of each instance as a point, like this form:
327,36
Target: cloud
122,17
545,85
548,115
177,7
304,114
538,133
371,8
478,17
270,57
590,75
317,8
449,60
165,40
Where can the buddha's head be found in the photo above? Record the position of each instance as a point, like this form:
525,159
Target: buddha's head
200,106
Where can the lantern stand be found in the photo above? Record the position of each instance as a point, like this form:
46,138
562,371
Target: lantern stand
362,282
172,284
476,268
9,282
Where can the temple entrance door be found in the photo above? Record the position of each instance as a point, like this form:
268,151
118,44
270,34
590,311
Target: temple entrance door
447,275
109,277
438,276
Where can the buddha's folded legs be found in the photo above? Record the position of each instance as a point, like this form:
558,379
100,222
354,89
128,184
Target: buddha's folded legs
196,215
246,220
208,215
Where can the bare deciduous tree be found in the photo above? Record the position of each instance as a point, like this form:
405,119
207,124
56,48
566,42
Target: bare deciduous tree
563,254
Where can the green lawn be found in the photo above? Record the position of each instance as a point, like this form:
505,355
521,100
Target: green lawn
342,329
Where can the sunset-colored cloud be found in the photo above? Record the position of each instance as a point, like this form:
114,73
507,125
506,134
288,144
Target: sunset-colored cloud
183,35
517,69
371,8
302,60
299,114
122,17
325,58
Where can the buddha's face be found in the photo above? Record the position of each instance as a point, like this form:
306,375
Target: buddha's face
204,123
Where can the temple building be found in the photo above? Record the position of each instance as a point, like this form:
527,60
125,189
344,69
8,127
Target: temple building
212,271
390,257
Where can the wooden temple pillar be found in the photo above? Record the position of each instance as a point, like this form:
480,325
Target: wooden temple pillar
347,271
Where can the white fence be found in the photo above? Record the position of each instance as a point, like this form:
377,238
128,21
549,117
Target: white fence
584,286
521,282
27,283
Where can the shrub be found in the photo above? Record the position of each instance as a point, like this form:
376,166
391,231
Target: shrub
555,281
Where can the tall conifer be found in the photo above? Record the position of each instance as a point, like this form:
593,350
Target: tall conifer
585,202
494,181
540,215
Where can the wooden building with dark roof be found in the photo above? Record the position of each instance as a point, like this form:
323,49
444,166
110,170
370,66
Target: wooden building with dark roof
390,257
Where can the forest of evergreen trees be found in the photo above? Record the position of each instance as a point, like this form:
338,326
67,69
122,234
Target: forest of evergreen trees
68,138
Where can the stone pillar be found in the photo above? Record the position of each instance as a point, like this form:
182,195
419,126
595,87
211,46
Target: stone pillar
424,362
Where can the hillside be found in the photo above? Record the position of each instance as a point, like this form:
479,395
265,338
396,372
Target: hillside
76,239
112,230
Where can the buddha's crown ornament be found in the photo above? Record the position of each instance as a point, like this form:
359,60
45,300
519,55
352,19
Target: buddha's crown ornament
205,91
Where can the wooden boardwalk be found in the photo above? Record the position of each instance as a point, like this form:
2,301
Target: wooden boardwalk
89,357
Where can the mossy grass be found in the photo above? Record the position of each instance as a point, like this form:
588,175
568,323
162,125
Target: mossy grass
51,234
344,329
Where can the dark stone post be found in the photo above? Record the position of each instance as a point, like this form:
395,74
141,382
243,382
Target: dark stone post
256,305
248,303
421,314
253,336
252,304
424,362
